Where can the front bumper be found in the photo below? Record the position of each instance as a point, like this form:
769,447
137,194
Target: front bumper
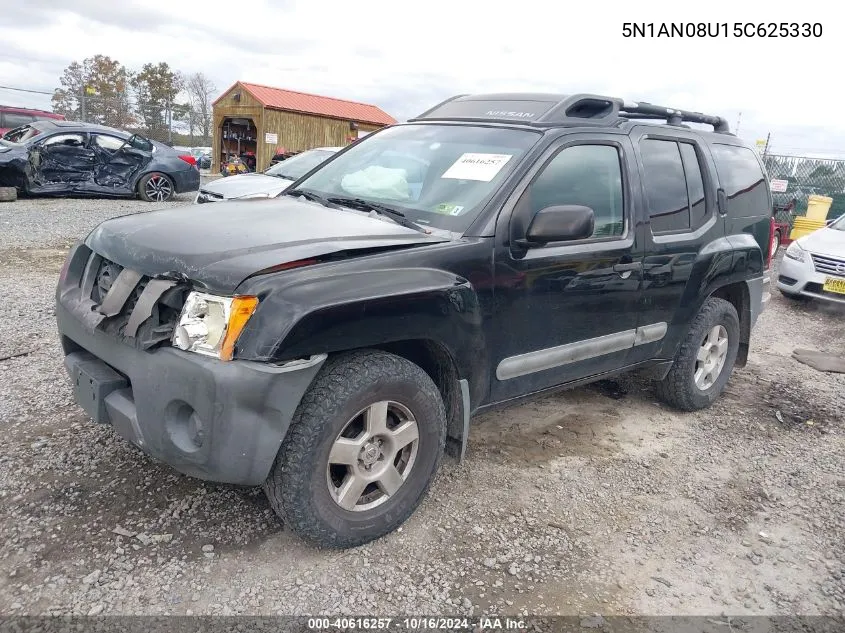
801,278
218,420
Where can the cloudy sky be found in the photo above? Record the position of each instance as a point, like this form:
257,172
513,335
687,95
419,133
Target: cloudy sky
405,57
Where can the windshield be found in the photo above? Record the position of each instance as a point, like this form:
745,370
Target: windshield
438,175
22,134
297,166
839,224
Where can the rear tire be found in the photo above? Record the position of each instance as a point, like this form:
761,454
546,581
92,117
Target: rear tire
8,194
361,450
705,360
156,187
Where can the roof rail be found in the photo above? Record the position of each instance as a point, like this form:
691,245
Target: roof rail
672,116
550,110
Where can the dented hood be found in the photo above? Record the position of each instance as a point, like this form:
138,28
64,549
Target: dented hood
220,245
246,185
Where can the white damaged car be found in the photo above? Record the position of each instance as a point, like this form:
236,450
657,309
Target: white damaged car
266,184
814,265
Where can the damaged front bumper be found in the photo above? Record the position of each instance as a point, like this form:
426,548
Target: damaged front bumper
218,420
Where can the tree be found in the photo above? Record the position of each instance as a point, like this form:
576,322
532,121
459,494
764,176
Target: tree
200,90
156,88
95,91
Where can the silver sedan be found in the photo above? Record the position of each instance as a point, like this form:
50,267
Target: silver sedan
814,265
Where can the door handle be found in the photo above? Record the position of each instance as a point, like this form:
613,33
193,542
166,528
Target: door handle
621,268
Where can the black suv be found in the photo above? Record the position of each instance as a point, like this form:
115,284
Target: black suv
331,343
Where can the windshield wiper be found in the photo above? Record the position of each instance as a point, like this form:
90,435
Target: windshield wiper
310,195
394,214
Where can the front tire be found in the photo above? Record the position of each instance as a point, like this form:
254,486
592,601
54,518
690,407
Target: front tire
156,187
361,451
705,360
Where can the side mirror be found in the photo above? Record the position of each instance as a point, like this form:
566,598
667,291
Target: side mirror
560,223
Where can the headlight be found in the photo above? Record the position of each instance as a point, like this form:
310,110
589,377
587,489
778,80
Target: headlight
210,325
796,252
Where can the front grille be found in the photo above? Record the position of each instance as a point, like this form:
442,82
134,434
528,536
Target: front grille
208,196
829,265
158,313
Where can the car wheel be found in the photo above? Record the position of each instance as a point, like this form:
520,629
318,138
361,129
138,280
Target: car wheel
156,187
361,451
705,360
8,194
775,243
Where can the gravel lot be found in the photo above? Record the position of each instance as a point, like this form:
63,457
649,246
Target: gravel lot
593,500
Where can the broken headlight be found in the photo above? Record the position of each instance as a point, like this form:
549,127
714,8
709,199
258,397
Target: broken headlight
211,325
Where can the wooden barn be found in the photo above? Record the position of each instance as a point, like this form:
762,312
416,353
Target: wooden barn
265,121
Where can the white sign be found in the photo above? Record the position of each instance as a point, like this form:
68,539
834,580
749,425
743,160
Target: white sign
270,138
362,133
483,167
778,186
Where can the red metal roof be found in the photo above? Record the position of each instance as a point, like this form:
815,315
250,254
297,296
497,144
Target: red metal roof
279,99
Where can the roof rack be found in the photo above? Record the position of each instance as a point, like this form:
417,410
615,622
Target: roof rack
549,110
672,116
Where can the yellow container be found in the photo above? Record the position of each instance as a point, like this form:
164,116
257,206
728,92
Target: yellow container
818,207
804,226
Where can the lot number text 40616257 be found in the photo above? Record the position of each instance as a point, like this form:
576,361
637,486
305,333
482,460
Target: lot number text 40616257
721,29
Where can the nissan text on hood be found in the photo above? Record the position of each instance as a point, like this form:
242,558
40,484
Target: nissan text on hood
267,184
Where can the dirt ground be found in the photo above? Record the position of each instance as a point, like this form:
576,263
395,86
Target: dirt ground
596,500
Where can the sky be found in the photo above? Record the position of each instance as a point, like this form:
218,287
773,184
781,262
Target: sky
406,57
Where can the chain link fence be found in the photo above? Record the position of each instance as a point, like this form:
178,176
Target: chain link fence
174,124
794,179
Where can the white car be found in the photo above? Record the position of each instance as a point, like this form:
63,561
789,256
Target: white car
267,184
814,265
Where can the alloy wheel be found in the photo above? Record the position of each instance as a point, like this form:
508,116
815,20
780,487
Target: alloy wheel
372,456
711,357
158,188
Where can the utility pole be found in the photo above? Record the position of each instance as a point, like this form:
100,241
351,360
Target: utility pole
766,148
169,124
82,104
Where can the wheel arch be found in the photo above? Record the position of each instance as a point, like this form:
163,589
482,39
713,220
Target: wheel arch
436,360
739,296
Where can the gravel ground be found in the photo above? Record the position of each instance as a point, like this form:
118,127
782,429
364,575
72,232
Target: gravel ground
592,500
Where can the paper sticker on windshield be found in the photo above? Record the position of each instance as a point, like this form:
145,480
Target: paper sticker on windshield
448,209
483,167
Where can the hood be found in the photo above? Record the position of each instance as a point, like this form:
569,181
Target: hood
220,245
825,242
246,184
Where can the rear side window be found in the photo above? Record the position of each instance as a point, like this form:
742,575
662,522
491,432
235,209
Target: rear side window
743,180
665,186
110,143
139,142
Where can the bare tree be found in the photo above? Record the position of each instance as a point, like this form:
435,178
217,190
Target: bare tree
201,91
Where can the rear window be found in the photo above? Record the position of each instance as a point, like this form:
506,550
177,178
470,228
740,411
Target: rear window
743,180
